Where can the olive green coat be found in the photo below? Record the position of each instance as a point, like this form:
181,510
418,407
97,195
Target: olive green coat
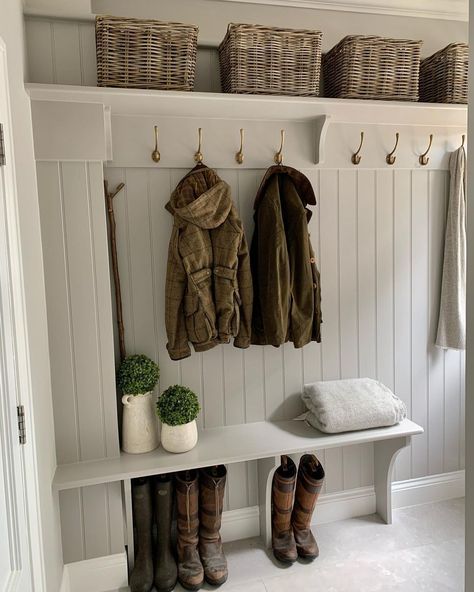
286,281
208,279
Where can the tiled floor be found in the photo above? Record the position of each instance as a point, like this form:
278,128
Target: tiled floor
422,551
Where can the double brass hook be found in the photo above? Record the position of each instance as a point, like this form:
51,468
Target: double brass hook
198,156
424,159
356,157
391,158
279,155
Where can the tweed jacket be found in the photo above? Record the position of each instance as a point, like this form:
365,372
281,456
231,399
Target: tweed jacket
208,280
286,281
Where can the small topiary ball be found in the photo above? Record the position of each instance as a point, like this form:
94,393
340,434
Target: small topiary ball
177,405
137,375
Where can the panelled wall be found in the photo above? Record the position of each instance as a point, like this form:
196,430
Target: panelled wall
81,349
378,235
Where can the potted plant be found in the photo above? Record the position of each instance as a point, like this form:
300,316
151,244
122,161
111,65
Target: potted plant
137,377
178,408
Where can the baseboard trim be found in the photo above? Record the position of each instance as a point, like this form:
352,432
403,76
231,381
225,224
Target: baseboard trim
435,488
96,575
240,524
244,523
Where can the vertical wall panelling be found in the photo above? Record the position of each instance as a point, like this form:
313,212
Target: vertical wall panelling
378,237
402,302
419,311
81,346
437,209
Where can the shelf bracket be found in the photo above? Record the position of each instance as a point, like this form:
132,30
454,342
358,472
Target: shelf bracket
321,125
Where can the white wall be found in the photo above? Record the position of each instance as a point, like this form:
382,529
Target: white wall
33,339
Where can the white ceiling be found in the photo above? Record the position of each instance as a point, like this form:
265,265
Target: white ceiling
443,9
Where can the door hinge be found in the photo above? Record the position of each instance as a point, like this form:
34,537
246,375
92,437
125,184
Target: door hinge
21,424
2,147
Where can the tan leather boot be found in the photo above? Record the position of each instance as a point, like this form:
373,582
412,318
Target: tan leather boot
211,503
308,486
190,570
283,490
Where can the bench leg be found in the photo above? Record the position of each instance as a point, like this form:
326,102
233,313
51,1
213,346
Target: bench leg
266,469
385,453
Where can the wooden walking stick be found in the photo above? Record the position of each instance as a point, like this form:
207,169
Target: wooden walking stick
109,201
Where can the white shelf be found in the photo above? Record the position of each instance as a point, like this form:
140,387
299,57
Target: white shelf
230,106
223,445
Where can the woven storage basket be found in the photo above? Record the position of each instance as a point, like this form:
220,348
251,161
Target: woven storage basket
265,60
444,75
134,53
369,67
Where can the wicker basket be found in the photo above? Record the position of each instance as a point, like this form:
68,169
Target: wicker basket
134,53
264,60
369,67
444,75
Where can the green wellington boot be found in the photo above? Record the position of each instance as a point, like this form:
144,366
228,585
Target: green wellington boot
141,579
166,571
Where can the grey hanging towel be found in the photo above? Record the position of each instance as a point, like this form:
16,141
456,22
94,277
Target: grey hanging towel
452,312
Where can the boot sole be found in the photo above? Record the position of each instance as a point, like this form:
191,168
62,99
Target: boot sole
284,560
191,587
307,557
216,582
169,589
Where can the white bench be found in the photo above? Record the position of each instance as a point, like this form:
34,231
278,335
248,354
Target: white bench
262,441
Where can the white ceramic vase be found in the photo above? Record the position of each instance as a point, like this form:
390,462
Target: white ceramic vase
139,429
180,438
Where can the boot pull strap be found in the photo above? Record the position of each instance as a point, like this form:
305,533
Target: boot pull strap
188,511
216,495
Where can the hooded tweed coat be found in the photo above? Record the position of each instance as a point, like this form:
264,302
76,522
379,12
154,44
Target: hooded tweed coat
286,281
208,280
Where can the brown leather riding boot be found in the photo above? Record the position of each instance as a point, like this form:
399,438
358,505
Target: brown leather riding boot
283,489
141,578
308,486
166,572
190,570
211,503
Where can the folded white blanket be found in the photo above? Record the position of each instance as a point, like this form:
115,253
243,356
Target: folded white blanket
347,405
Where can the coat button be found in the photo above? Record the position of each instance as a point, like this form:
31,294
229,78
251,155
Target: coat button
312,260
315,286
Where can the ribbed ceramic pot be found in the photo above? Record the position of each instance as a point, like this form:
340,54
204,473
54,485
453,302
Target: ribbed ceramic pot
139,429
180,438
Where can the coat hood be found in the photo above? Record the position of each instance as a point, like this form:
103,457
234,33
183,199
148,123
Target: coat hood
301,182
201,198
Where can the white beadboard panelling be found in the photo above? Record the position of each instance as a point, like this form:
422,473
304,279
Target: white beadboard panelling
377,234
81,348
61,51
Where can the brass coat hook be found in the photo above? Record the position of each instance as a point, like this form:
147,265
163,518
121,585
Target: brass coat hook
424,157
239,157
391,158
279,155
198,157
356,157
155,155
463,140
